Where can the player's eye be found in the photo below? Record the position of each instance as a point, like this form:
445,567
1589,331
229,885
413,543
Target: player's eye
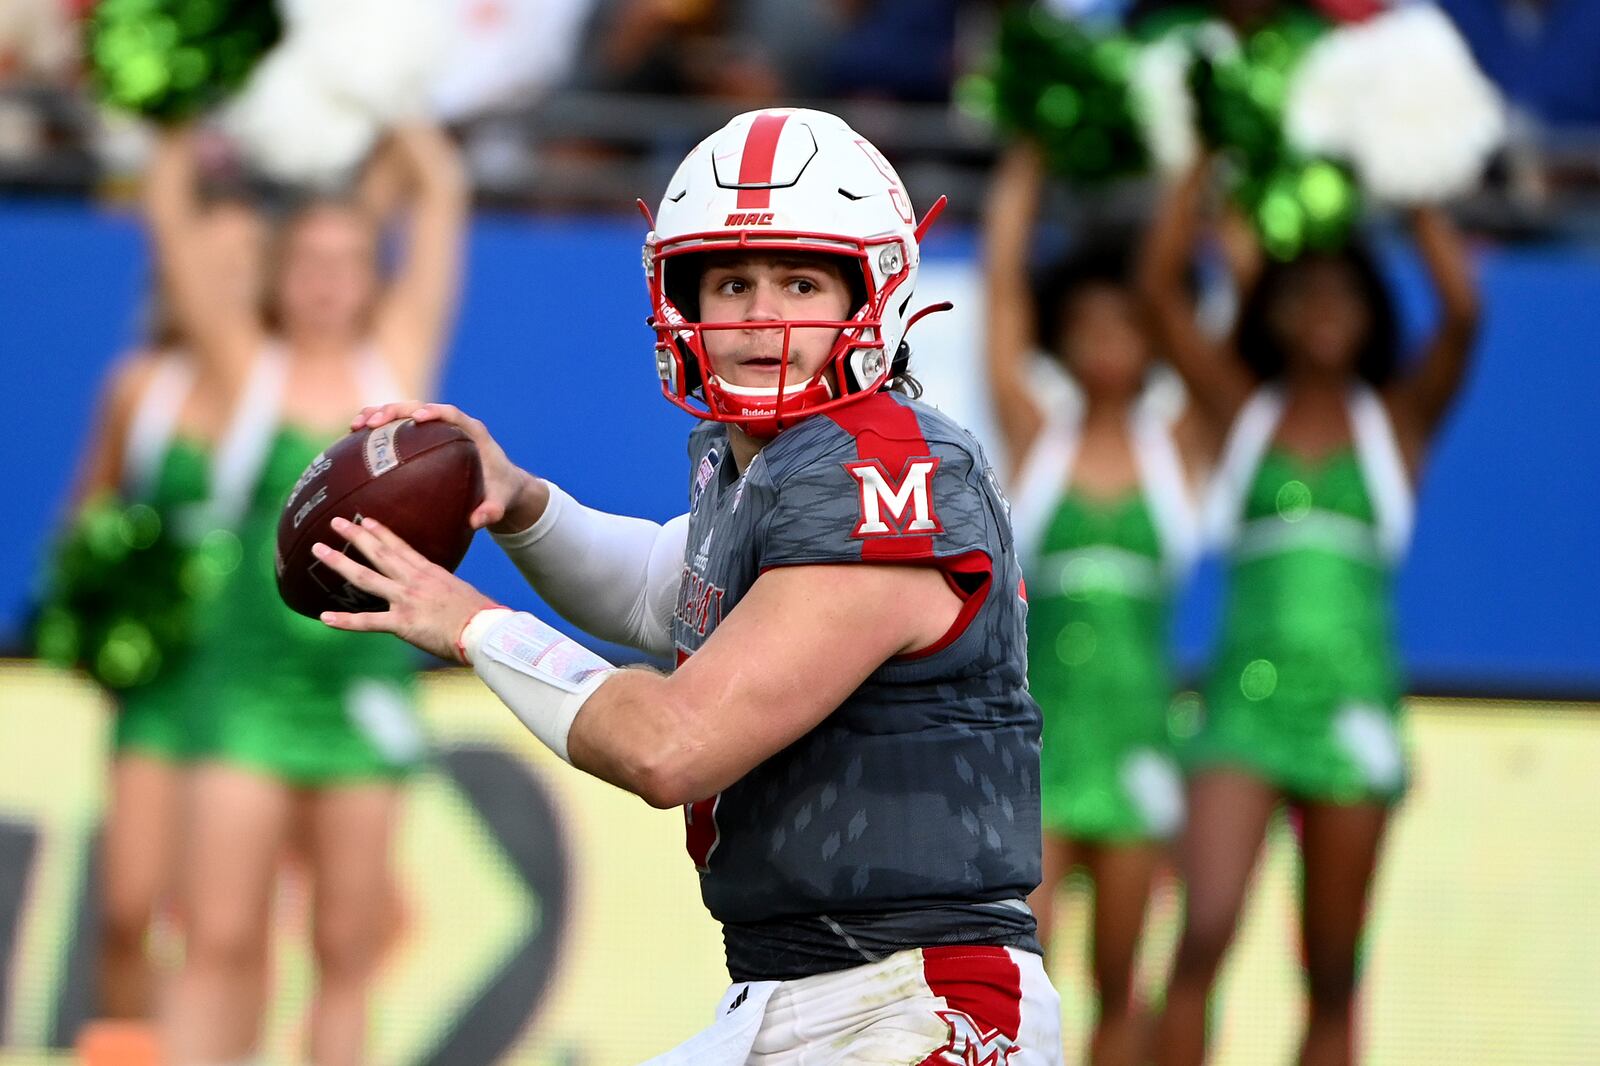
804,286
732,287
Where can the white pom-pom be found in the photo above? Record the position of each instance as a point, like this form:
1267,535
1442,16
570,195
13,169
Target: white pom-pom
1163,104
292,127
1401,99
383,56
1319,113
528,47
347,68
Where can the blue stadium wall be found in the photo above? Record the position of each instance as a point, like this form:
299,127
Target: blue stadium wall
1501,594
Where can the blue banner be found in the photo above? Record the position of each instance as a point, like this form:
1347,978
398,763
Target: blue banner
1502,590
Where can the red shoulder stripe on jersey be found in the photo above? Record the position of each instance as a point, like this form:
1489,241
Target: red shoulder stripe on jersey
887,433
755,165
985,985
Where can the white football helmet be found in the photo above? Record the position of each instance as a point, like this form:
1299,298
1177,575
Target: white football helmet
785,179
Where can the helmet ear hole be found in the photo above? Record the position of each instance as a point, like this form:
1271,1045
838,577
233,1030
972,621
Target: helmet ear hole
857,282
692,378
680,281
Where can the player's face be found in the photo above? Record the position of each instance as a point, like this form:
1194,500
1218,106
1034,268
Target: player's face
1321,315
327,277
771,288
1103,342
233,240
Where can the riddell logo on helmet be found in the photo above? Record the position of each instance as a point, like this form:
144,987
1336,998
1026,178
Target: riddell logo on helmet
750,218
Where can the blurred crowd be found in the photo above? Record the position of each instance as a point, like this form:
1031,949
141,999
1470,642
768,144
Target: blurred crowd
513,58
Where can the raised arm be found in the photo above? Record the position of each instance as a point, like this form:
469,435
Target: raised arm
421,301
1422,397
1009,217
384,183
100,464
1216,378
218,336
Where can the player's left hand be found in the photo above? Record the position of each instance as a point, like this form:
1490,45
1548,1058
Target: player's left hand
428,605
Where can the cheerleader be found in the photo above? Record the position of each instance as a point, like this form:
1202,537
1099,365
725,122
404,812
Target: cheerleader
1312,503
302,729
1106,525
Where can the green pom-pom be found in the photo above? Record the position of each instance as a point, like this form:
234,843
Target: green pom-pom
1067,91
1240,94
170,60
124,589
128,656
56,637
1296,204
1302,206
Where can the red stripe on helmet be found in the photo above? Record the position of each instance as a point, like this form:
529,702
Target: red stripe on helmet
755,165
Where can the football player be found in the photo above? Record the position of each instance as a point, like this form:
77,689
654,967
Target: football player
848,728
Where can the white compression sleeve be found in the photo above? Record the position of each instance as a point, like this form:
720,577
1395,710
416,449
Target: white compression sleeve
610,575
541,675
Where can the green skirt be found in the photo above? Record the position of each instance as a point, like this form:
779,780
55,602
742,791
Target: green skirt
1305,726
311,735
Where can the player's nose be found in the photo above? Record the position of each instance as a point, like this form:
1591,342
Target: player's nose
765,303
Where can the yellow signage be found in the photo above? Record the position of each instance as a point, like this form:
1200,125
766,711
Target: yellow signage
552,919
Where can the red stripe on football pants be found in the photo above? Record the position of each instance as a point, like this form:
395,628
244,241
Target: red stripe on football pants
983,983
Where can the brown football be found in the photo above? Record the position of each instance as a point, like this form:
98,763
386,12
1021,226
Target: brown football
421,480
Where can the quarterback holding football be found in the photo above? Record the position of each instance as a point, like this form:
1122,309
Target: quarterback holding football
848,728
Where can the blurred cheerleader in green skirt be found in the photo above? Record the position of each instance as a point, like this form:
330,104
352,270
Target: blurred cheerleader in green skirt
1312,505
302,735
241,726
1106,526
131,582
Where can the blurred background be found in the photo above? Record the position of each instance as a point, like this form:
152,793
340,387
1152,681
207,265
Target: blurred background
551,919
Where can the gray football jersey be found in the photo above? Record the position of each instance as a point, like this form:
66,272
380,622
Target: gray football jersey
910,816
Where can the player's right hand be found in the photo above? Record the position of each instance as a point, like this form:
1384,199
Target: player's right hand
513,499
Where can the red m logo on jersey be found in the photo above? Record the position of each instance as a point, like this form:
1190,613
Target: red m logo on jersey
896,506
971,1046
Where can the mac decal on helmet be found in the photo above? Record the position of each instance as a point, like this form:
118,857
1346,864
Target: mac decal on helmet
785,180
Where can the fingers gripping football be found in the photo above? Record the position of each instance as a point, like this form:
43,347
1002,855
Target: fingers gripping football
503,480
504,483
428,605
375,416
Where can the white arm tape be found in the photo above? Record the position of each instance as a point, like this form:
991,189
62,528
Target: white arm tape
541,675
610,575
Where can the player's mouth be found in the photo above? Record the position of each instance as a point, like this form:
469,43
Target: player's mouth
765,369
